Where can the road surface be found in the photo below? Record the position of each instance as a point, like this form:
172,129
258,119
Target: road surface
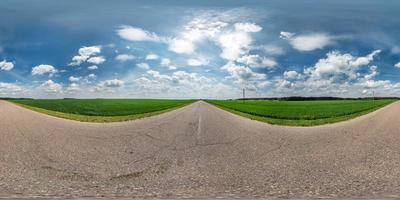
198,151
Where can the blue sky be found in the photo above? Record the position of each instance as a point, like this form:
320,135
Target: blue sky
199,49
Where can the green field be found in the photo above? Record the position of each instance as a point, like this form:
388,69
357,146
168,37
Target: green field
102,110
301,113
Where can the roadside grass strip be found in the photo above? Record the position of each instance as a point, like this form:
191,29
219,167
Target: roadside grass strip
301,113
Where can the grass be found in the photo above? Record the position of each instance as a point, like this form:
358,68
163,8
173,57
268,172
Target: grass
102,110
301,113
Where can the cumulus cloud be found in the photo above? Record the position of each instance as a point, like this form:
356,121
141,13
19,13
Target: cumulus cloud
89,51
6,66
73,87
308,42
10,88
114,83
124,57
152,56
158,76
197,62
339,66
234,44
92,76
51,87
93,67
205,25
43,69
97,60
225,29
256,61
397,65
74,79
136,34
219,27
143,65
179,83
336,75
247,27
166,62
291,75
84,54
244,76
373,72
181,46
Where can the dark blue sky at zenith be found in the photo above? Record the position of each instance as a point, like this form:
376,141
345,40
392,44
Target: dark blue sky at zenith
199,49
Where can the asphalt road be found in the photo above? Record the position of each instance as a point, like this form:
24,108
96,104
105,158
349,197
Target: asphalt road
198,151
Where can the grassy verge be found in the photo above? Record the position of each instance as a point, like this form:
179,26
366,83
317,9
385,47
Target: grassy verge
303,122
98,119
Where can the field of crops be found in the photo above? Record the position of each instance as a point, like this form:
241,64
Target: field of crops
101,110
302,112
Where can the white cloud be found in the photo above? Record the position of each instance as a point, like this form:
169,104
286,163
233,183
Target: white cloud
152,56
92,76
244,76
286,35
43,69
256,61
73,87
365,60
10,88
136,34
181,46
51,86
285,84
172,67
74,79
158,76
218,27
397,65
89,51
93,67
234,44
339,66
143,65
166,62
373,72
96,60
308,42
372,84
197,62
112,83
77,60
6,66
84,53
291,75
205,25
124,57
336,75
247,27
179,84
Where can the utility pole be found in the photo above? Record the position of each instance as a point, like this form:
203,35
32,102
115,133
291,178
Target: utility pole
373,98
244,95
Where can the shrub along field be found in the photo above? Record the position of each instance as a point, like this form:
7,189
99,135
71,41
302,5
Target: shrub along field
301,113
102,110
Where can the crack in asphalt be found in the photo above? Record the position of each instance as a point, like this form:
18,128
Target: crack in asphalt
199,151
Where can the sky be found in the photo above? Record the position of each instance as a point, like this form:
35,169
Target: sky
199,49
